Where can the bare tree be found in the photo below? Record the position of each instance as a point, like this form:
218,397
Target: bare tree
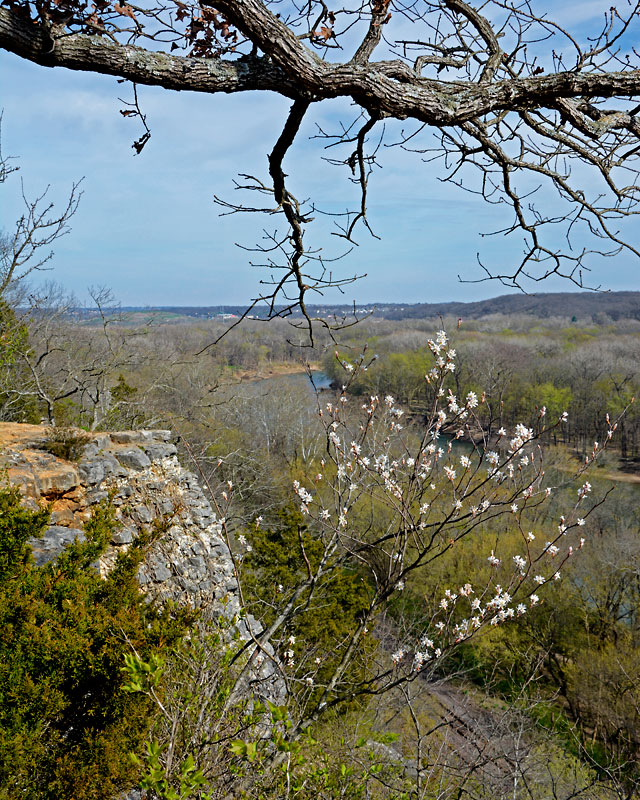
25,249
62,369
506,98
39,226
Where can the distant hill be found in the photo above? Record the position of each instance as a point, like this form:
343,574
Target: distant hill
593,306
598,307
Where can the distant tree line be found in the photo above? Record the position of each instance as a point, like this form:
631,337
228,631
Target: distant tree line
586,371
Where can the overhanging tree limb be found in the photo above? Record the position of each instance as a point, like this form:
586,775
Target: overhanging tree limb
390,88
137,64
515,101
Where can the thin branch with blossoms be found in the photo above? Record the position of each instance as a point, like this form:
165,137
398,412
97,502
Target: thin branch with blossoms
392,507
389,502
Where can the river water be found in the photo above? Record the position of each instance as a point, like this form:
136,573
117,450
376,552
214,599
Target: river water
296,379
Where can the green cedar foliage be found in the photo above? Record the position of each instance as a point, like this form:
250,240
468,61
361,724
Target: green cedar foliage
66,726
322,624
66,443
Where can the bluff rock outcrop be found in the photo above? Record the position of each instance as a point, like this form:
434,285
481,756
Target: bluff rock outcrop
189,563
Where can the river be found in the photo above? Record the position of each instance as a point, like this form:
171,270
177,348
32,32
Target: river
294,379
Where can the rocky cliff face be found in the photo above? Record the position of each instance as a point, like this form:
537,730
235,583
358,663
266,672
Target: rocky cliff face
189,564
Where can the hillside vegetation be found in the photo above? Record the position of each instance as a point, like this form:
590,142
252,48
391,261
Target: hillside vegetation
364,551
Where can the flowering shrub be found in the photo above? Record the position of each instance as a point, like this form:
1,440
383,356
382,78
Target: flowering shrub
387,503
243,743
393,500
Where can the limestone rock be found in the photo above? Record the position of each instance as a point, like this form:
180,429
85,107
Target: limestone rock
189,563
157,451
129,437
92,472
57,479
123,536
55,539
133,458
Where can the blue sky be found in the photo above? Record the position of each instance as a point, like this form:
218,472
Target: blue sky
147,226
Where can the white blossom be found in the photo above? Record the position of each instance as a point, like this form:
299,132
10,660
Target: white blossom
584,490
441,338
520,563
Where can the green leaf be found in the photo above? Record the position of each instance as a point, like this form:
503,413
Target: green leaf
252,750
238,747
188,765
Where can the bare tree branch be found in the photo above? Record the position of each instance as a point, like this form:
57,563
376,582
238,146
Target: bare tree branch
517,102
